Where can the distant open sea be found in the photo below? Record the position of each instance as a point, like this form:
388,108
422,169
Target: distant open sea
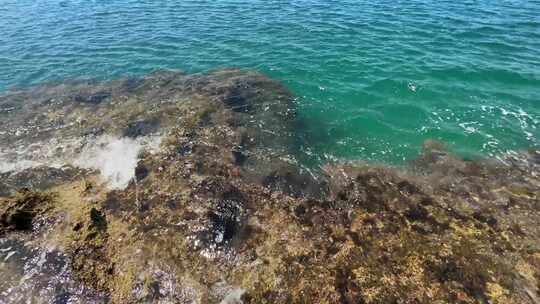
373,79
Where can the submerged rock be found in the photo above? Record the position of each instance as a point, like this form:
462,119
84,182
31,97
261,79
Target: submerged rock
217,210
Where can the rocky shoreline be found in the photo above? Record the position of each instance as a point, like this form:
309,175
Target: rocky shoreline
177,188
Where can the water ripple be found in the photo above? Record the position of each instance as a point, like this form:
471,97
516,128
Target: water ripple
396,62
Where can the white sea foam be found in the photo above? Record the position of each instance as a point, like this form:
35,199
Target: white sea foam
234,297
7,165
115,158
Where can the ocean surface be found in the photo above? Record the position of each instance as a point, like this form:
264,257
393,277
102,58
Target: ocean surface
373,79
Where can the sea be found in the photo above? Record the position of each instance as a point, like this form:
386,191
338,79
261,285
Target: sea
372,80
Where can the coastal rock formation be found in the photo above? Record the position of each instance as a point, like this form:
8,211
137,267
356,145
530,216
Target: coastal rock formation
214,208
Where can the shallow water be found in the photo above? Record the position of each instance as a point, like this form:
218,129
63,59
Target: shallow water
373,79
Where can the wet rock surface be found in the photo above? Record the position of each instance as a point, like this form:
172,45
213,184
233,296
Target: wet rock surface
216,210
40,275
20,213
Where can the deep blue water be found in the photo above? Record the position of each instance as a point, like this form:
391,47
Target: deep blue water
374,79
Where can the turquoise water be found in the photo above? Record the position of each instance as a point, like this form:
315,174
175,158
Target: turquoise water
374,79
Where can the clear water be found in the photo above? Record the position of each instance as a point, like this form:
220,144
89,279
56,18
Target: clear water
374,79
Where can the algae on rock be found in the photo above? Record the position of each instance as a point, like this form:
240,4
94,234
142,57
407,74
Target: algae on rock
217,211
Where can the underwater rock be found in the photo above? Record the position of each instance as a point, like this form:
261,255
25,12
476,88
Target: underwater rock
141,128
218,210
92,97
224,221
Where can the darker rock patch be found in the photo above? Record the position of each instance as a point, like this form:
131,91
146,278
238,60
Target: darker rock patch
290,181
19,213
224,221
239,156
131,84
237,99
141,128
141,172
92,98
